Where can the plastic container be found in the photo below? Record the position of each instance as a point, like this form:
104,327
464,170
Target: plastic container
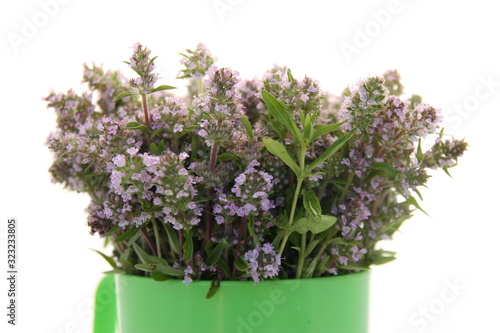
337,304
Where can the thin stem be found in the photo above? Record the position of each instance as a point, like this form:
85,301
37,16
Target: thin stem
302,159
145,108
227,232
150,242
201,86
292,214
175,144
213,156
241,239
157,236
208,235
181,245
295,199
302,255
332,232
213,159
324,184
283,242
346,186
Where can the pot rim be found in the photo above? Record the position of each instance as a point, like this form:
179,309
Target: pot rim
207,283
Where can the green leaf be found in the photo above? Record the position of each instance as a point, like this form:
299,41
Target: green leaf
163,87
277,110
312,245
112,231
355,267
241,264
340,240
110,260
157,260
412,201
385,167
419,194
143,255
420,154
330,151
204,199
280,224
310,269
161,146
222,264
289,75
322,265
188,245
215,254
169,270
158,276
251,229
277,240
321,130
152,60
126,257
307,125
314,225
124,94
311,204
380,260
248,127
315,174
127,235
446,167
278,150
173,238
165,269
214,287
135,126
227,156
153,149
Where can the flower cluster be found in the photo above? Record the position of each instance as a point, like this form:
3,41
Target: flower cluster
255,179
144,66
302,96
196,62
219,107
264,262
161,181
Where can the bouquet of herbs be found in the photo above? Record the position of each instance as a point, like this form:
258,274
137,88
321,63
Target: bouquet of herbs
244,179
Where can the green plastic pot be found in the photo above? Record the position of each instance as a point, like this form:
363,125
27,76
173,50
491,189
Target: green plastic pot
133,304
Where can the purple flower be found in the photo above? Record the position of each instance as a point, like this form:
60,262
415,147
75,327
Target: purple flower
178,128
119,160
263,262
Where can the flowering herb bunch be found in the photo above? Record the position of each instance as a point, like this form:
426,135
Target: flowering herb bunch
244,180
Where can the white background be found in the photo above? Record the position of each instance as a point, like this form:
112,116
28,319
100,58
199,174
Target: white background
444,51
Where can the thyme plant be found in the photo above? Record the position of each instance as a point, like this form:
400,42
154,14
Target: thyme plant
269,178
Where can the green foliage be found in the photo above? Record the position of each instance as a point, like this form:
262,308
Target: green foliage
107,258
233,178
162,87
124,94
